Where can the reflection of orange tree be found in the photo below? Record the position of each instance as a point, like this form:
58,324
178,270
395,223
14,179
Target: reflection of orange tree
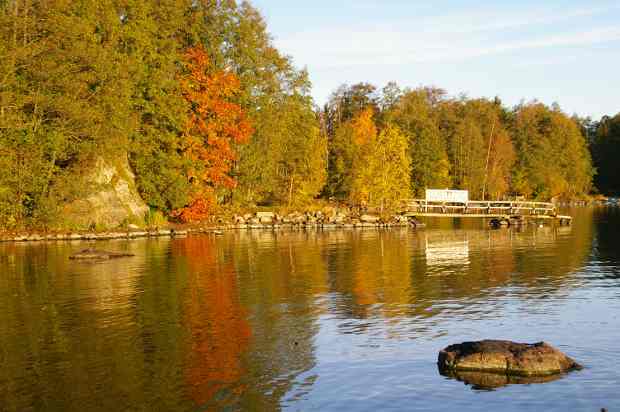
220,333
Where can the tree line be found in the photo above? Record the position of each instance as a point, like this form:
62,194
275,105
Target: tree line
604,139
207,110
210,114
495,152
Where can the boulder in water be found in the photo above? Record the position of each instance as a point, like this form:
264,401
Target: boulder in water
505,357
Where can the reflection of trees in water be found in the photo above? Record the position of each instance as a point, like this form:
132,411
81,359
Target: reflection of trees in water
373,269
404,274
605,249
412,273
534,260
74,334
240,312
219,333
283,275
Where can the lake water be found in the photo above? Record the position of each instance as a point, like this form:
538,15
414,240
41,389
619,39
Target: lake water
318,321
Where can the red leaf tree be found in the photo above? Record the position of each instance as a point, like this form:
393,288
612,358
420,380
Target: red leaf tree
215,124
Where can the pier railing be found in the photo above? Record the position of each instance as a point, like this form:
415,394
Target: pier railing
480,208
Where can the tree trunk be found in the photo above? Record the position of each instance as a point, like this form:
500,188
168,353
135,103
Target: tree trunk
486,167
290,191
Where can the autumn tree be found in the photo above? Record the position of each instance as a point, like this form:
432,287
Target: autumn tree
498,166
552,156
348,101
416,114
363,135
63,102
276,98
215,124
388,169
286,162
302,165
379,165
344,104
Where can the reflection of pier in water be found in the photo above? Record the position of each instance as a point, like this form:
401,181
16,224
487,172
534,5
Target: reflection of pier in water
400,271
451,251
443,252
461,240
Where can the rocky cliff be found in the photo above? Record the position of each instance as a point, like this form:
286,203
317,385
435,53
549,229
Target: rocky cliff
112,198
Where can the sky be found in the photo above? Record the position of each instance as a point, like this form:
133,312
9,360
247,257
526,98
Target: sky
552,51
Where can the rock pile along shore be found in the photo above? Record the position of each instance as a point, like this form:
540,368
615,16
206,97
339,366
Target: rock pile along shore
316,220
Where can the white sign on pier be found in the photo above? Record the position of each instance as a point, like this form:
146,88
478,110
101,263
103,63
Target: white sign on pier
447,195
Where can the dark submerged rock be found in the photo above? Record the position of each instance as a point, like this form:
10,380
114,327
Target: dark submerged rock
505,357
98,254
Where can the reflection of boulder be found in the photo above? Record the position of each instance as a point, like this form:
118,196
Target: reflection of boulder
510,358
94,254
490,380
111,285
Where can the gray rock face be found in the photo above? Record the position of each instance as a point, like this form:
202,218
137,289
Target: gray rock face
369,219
505,357
113,198
94,254
338,218
266,219
265,215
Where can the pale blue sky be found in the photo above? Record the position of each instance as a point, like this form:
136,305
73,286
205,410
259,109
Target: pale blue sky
555,51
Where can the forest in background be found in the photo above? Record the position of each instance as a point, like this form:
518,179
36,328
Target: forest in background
210,114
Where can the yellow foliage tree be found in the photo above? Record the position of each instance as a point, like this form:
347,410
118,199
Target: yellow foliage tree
381,166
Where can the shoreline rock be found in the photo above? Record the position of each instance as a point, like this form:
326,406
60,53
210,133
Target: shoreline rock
505,357
330,219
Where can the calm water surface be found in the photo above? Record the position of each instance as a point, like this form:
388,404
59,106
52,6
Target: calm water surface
328,321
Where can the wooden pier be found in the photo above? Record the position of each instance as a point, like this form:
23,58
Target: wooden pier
501,211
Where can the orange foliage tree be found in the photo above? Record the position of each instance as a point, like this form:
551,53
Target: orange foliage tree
215,124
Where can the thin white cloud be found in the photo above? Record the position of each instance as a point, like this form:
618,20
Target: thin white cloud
454,37
387,48
373,45
498,20
465,51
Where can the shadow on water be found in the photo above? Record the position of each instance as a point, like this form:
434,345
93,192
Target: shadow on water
486,381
